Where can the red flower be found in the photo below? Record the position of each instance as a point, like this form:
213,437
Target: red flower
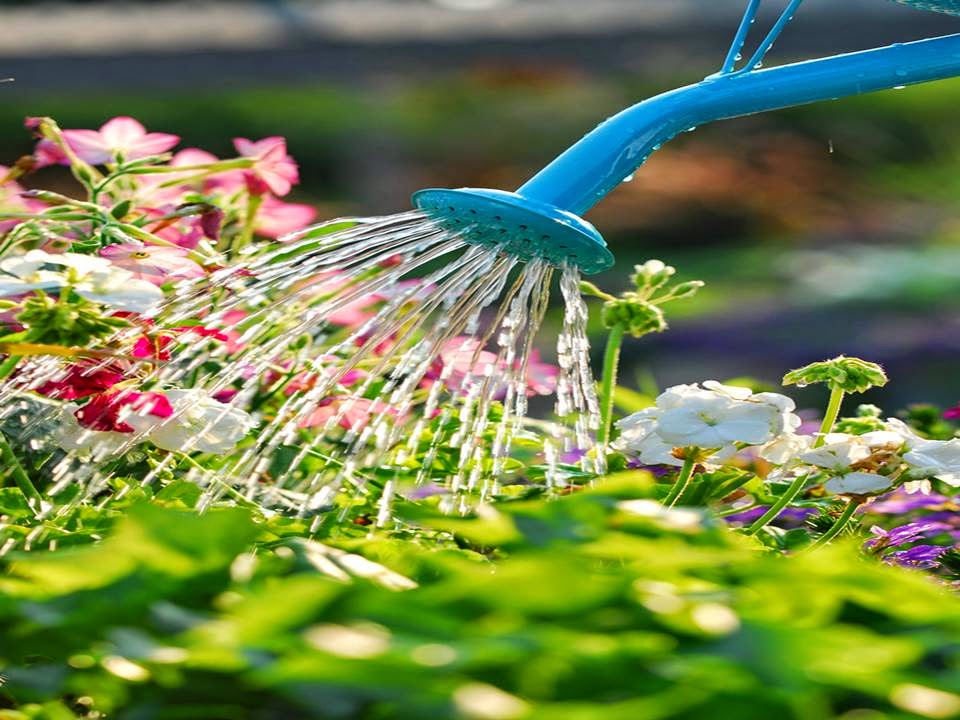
105,411
157,347
82,380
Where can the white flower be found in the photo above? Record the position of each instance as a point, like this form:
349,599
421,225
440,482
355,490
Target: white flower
73,437
785,448
840,451
858,483
91,277
929,458
199,423
719,416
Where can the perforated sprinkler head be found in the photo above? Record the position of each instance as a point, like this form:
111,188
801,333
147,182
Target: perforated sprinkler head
517,225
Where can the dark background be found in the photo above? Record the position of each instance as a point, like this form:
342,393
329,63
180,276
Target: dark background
820,230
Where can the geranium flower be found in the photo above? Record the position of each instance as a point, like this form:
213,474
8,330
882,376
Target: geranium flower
119,411
82,380
157,265
91,277
273,170
355,413
713,416
120,137
197,422
929,458
858,483
276,218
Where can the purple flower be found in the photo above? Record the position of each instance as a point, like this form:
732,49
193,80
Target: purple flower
788,519
921,529
900,503
919,556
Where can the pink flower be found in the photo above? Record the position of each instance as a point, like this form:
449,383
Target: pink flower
48,153
276,218
82,380
11,201
105,411
353,412
952,413
273,170
352,314
120,137
541,376
152,263
457,361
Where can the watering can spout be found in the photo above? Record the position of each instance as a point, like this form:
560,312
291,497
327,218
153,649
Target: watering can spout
580,177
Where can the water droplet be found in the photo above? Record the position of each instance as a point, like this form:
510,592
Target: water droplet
628,178
899,87
738,57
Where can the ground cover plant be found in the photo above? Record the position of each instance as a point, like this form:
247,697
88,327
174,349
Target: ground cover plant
709,549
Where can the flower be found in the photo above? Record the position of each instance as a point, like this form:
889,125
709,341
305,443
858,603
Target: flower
116,411
11,200
858,483
273,170
919,556
720,416
157,347
93,278
157,265
197,423
276,218
541,377
929,458
82,380
119,138
70,435
351,413
842,452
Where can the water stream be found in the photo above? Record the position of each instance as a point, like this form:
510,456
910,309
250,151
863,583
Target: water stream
427,387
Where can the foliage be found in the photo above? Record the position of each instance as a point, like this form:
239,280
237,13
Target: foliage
597,605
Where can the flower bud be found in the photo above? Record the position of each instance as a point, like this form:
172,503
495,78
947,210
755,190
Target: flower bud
652,274
842,373
638,317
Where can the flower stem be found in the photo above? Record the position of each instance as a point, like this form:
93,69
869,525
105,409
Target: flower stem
839,526
788,495
246,234
611,362
683,479
20,477
830,416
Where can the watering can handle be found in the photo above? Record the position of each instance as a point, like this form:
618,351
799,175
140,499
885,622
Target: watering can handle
580,177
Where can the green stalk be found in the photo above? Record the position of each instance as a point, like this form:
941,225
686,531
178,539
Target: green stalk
611,362
829,418
683,479
20,477
8,366
839,526
246,234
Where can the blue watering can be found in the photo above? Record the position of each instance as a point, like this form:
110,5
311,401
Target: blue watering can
542,218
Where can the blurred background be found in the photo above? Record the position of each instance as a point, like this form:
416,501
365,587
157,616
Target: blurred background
820,230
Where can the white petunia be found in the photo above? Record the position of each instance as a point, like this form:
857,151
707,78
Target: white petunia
929,458
93,278
71,436
858,483
785,448
199,423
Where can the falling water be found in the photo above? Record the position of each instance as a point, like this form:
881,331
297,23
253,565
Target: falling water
431,388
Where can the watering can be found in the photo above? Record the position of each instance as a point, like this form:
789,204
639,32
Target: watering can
543,219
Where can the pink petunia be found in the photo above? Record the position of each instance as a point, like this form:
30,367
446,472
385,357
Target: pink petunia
119,137
350,412
276,218
541,377
152,263
106,411
273,170
48,153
